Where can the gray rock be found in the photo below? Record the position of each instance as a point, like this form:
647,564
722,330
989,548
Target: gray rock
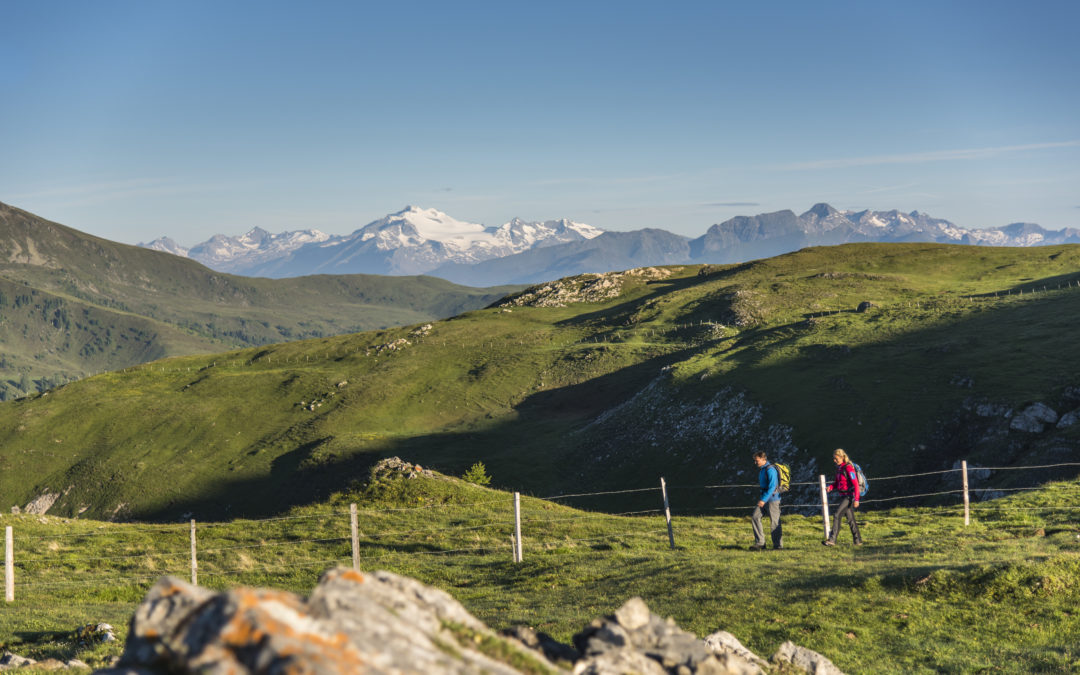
1068,419
1034,418
10,661
1041,412
724,644
804,659
633,614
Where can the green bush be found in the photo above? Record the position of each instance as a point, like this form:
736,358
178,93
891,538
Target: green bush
477,474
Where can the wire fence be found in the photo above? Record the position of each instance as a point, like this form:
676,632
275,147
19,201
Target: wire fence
482,529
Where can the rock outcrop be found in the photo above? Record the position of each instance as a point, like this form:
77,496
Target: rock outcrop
384,623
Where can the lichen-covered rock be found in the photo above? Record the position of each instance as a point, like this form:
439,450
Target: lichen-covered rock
352,623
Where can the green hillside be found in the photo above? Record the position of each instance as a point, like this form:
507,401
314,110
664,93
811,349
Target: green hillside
924,595
680,373
72,304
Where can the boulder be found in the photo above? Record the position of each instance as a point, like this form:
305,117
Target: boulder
726,646
804,659
1068,419
1034,418
10,661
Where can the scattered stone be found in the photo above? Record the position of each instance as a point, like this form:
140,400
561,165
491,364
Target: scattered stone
804,659
343,383
963,381
993,410
422,330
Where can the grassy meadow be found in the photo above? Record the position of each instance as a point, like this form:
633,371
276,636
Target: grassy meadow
254,432
925,594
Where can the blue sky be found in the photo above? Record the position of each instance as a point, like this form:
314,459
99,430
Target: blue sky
133,120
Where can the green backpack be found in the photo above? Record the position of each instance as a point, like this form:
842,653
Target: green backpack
783,477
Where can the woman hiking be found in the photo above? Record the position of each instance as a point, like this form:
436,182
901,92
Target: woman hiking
846,483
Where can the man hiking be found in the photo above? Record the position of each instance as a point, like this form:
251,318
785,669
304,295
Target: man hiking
769,479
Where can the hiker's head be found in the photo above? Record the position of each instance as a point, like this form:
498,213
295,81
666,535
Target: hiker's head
760,458
839,456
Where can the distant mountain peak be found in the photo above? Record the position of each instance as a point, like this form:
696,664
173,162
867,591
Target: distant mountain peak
821,210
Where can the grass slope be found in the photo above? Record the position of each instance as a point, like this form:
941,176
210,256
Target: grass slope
679,375
925,595
72,304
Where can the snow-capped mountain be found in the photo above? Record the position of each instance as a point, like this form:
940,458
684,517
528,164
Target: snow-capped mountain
427,241
411,241
165,244
238,254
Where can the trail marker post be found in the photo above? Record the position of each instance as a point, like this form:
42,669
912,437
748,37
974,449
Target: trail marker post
667,513
967,499
354,532
518,553
824,506
9,565
194,557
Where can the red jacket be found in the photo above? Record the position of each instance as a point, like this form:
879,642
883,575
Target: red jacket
846,481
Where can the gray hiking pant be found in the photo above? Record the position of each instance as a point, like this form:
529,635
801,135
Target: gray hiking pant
845,509
774,518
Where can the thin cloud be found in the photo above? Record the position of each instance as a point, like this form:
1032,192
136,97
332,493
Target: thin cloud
923,157
723,204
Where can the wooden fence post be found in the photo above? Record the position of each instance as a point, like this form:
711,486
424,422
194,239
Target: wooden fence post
824,506
354,532
194,557
967,500
667,513
9,565
518,552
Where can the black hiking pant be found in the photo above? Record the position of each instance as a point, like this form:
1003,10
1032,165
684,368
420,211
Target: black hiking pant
845,509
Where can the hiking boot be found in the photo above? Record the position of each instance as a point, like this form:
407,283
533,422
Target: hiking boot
757,547
829,542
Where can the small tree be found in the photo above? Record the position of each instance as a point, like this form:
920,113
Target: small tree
477,474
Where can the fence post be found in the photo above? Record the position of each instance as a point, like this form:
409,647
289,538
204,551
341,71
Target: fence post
824,506
9,565
667,513
967,500
517,528
194,557
354,531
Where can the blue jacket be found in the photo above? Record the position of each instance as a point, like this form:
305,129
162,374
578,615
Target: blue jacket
769,481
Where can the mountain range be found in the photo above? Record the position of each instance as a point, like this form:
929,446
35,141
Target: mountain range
427,241
72,304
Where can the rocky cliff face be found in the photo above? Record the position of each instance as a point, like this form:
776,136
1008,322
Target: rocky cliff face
383,623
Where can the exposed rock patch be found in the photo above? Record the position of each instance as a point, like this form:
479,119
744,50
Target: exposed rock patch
582,288
41,504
